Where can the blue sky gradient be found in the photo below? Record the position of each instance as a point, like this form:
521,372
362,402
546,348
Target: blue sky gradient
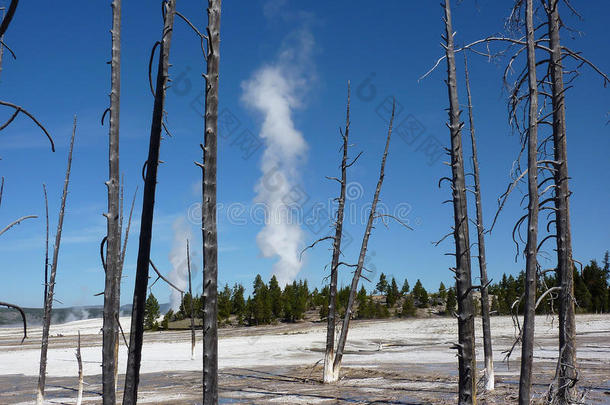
382,47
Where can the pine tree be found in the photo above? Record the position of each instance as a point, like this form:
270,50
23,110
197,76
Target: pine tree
275,297
451,301
151,313
362,302
224,304
420,295
442,292
408,306
382,284
405,287
393,294
238,303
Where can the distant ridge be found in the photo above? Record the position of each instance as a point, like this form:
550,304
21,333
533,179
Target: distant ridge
11,317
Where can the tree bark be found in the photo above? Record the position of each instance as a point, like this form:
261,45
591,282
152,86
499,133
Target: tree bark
208,210
365,240
110,328
329,374
565,266
48,306
527,342
487,348
79,398
192,313
465,346
132,376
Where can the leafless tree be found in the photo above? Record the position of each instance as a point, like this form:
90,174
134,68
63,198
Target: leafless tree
487,347
79,361
48,305
527,345
112,286
208,208
191,309
566,363
329,374
329,369
360,265
132,376
465,346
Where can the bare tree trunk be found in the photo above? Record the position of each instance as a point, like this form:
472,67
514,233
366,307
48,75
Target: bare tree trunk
48,306
487,348
7,18
192,313
362,256
208,210
110,328
527,345
568,374
132,375
79,398
46,251
329,370
466,352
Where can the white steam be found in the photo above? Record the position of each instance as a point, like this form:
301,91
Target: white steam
177,257
275,91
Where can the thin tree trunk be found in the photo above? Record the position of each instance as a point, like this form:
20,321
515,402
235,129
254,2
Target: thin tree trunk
466,351
487,348
329,370
79,398
110,328
208,210
46,251
365,240
48,306
132,375
565,267
527,343
192,313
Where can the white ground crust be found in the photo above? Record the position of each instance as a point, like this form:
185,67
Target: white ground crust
412,341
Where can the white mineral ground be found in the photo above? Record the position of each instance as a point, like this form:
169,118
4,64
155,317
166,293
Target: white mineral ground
389,344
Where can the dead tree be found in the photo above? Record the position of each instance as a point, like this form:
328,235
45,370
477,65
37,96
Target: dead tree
566,363
329,374
48,304
208,209
79,361
487,348
132,376
110,329
329,370
531,248
18,308
360,265
465,346
192,312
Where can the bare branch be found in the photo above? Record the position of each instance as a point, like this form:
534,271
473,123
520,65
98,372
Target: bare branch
17,222
19,109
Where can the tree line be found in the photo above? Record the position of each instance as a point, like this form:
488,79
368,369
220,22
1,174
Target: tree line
269,303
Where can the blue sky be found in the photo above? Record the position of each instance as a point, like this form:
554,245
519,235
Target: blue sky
383,48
